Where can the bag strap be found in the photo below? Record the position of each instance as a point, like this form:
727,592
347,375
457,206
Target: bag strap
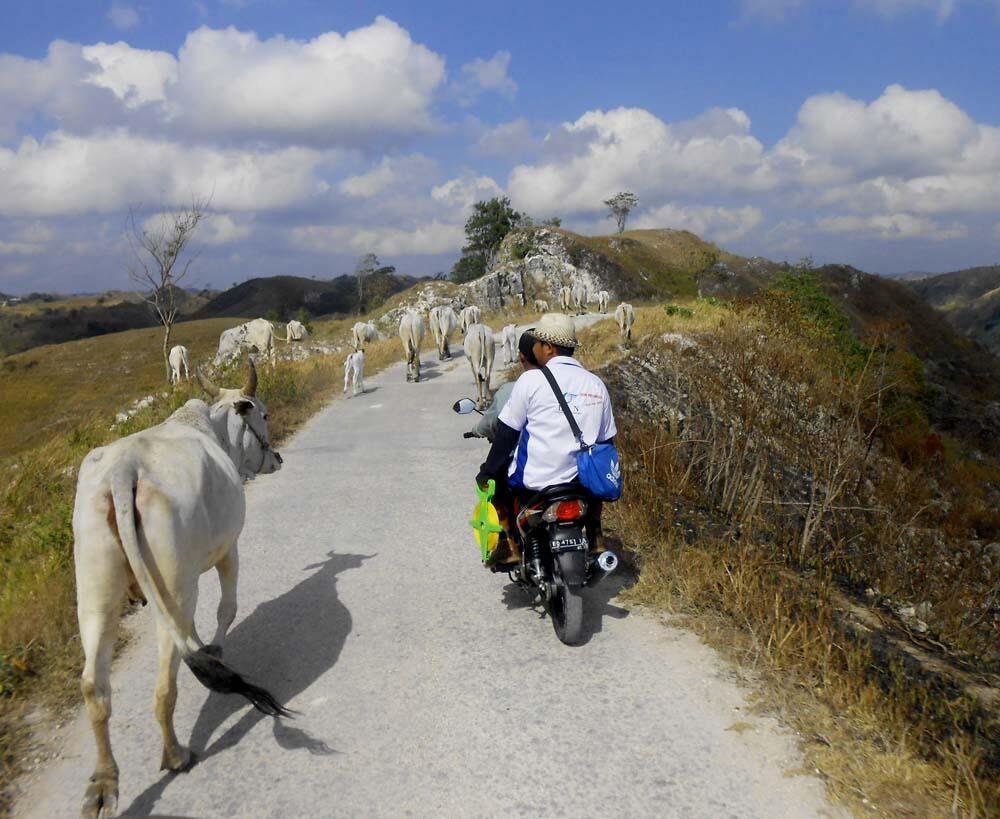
565,408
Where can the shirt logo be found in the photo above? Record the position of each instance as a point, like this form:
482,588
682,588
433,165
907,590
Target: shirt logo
615,475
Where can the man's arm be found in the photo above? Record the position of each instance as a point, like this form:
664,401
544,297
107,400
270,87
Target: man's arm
495,465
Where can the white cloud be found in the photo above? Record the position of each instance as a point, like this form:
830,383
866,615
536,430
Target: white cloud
479,76
893,227
19,248
631,149
373,84
123,16
462,192
67,174
508,140
133,75
391,173
715,223
425,239
214,228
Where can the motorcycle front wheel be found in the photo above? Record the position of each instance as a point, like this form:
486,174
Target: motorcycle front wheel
566,611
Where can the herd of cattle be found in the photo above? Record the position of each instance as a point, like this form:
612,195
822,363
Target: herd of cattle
145,528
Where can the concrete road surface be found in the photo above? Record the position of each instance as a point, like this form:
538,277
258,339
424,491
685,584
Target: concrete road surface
425,685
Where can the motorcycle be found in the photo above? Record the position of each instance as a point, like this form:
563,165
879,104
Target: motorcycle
555,563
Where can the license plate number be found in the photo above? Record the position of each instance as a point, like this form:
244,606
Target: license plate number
563,544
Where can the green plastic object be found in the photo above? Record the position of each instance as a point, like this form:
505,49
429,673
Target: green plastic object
485,521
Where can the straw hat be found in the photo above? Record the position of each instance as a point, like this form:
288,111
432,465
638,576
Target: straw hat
557,329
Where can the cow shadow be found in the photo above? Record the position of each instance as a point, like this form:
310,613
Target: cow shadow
597,603
286,644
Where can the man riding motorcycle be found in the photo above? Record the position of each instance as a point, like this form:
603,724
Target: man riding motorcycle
533,422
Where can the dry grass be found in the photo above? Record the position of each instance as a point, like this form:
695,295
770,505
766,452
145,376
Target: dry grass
50,390
712,549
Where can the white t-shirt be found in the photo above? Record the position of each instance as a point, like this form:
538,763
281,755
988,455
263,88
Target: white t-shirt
546,453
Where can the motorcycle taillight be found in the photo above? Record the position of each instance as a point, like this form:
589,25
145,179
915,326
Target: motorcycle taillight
565,510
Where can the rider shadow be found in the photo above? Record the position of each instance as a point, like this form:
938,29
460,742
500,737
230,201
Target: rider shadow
596,602
260,646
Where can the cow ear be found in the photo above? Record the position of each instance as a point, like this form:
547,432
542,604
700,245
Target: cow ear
243,406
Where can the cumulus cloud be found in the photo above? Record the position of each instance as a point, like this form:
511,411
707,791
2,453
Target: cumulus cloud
632,149
68,174
123,16
479,76
462,192
372,84
425,239
214,229
716,223
390,174
892,227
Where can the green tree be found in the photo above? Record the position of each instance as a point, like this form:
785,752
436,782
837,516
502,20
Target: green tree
620,205
490,222
365,267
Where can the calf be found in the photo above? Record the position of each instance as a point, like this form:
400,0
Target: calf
178,358
354,367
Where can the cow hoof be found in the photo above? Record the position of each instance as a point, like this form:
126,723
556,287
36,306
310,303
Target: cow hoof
215,650
100,800
178,759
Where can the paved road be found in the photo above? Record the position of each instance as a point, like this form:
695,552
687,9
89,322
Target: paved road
425,686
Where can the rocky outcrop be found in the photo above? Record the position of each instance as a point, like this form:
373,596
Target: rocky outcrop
537,262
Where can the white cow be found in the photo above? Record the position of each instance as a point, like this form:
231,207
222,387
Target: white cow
178,358
443,323
565,298
362,333
480,349
295,331
255,336
603,297
508,341
469,316
625,316
153,511
411,333
354,367
580,298
541,306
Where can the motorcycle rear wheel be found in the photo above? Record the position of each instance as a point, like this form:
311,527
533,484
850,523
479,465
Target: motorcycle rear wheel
566,611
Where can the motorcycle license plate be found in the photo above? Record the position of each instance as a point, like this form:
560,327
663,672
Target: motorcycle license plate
568,543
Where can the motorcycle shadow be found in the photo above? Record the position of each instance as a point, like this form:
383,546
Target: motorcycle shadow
597,603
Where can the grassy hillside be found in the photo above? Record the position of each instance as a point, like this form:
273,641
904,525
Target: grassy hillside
970,299
52,389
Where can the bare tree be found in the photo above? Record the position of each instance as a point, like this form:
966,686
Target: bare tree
621,204
156,262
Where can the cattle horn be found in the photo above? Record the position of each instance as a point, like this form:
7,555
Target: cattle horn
206,385
250,388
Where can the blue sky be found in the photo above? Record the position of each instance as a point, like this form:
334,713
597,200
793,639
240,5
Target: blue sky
859,131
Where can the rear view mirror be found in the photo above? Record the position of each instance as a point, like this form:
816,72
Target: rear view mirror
464,406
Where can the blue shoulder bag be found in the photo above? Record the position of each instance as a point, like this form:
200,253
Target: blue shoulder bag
598,465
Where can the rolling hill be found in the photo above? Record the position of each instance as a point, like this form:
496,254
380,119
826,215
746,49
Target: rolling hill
970,299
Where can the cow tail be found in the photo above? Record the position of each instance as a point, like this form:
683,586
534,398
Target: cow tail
209,670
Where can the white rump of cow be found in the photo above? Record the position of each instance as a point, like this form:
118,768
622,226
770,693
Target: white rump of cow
603,297
565,298
256,336
443,323
354,369
479,350
411,333
362,333
580,298
177,359
508,341
541,306
625,316
153,511
295,331
469,316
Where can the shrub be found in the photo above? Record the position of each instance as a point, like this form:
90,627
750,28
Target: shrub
678,310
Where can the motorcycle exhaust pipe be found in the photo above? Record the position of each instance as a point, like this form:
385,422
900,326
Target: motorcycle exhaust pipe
605,564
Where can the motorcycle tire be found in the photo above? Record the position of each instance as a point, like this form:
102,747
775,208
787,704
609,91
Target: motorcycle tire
566,611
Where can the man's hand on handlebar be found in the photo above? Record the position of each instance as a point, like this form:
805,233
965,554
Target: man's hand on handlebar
469,435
